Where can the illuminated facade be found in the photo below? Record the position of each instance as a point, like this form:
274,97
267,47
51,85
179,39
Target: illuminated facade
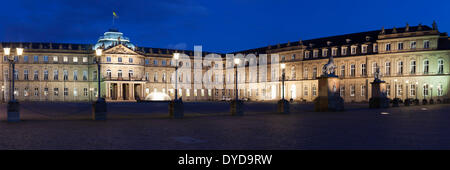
414,61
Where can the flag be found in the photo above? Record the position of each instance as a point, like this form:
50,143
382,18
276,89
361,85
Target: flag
114,14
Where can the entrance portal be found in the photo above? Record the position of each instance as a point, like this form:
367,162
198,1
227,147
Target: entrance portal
113,91
125,91
137,92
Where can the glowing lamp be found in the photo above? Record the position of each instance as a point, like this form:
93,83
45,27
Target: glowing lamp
19,51
237,61
6,51
98,52
176,56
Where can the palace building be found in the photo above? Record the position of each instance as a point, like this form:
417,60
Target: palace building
413,60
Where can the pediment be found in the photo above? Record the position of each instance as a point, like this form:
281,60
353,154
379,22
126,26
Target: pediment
120,49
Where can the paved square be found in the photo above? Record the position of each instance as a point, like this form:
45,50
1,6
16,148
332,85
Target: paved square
208,126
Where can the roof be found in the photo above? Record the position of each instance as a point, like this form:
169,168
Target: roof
338,40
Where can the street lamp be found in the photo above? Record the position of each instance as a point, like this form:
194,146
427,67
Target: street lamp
98,53
176,56
7,52
236,62
13,106
100,109
283,66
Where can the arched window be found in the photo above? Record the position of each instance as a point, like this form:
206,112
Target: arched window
119,74
130,73
426,66
108,73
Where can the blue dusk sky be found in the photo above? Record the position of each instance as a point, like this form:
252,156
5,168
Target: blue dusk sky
220,26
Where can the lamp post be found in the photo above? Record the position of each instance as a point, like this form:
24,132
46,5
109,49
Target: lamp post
13,105
98,53
283,76
176,108
7,52
236,62
176,56
100,110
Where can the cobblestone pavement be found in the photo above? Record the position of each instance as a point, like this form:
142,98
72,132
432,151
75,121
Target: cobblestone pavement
208,126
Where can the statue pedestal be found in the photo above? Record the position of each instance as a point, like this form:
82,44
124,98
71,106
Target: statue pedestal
13,114
176,109
378,99
99,110
283,107
237,108
328,99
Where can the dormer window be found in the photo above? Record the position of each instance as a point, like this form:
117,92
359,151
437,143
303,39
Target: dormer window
353,50
334,51
388,47
413,45
367,38
400,46
316,53
364,49
426,44
375,48
307,54
324,52
344,50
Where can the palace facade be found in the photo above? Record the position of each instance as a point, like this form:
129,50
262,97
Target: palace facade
413,60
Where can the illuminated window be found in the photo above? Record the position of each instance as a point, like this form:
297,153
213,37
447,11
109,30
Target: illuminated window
412,90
